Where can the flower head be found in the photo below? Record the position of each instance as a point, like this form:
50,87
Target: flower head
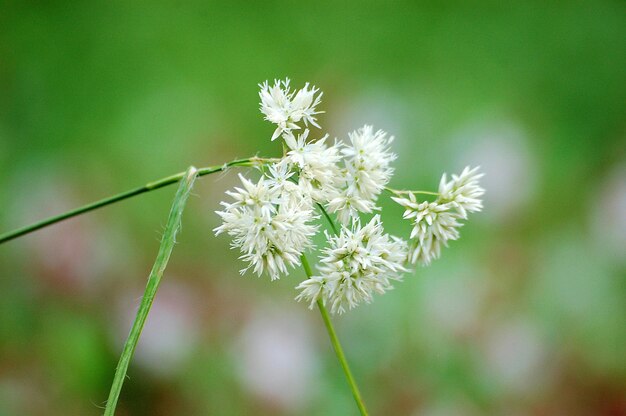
360,261
287,108
433,226
316,164
463,191
270,232
435,223
367,160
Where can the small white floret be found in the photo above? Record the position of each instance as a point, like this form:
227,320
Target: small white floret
356,264
287,108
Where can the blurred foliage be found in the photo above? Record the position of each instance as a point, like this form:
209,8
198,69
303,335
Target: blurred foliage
523,315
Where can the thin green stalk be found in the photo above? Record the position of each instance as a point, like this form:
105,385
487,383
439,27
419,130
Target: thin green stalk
336,344
165,250
253,161
330,220
402,192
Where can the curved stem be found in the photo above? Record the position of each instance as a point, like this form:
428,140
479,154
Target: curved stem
337,345
401,192
330,220
165,250
160,183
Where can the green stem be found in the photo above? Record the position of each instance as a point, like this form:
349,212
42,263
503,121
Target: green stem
165,250
253,161
336,344
330,220
401,192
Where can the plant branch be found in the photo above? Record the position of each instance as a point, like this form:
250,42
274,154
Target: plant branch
331,330
402,192
337,345
165,250
253,161
328,218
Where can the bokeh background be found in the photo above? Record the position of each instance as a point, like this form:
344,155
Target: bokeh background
525,315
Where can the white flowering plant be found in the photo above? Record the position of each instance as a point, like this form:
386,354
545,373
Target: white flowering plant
272,219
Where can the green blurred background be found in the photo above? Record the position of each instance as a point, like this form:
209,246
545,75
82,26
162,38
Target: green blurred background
525,315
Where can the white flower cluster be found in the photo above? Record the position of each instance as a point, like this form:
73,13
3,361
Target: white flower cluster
268,224
316,165
272,221
287,108
346,177
366,172
360,261
435,223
